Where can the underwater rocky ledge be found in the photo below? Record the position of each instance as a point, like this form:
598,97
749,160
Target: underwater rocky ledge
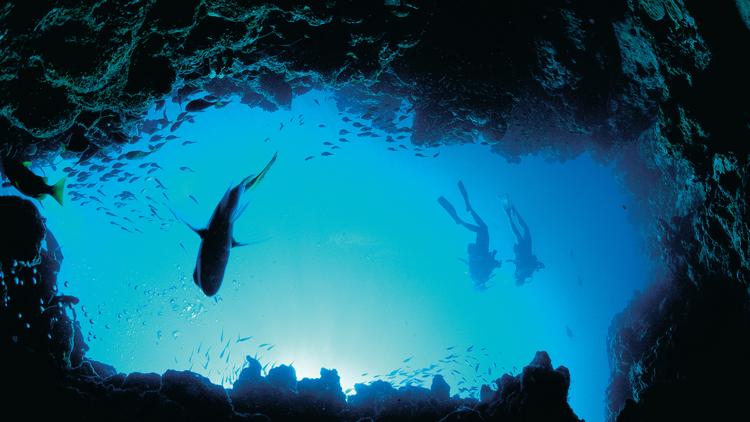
48,375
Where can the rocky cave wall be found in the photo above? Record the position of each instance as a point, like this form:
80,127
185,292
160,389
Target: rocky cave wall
660,86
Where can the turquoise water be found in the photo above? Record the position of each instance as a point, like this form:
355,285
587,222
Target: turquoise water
352,262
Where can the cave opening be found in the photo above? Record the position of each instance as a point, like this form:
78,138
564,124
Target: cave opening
352,263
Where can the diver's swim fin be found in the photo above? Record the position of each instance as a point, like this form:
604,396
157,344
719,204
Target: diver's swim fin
449,209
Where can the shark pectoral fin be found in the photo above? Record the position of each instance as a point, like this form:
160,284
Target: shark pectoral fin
201,232
238,212
235,243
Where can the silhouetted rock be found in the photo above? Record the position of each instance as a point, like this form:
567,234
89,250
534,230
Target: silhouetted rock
22,232
142,382
440,390
326,389
283,377
196,394
463,415
539,393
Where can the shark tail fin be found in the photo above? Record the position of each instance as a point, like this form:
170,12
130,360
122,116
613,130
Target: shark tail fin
58,191
254,180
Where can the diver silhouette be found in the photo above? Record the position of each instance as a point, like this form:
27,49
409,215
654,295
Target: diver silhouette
481,261
526,262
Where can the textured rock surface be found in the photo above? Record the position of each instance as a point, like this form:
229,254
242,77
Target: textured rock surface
652,84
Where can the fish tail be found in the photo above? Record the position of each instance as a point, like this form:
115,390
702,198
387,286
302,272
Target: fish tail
58,191
252,182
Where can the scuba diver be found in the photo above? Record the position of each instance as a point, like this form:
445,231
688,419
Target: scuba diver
526,262
481,261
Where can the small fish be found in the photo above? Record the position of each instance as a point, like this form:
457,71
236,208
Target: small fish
198,105
175,126
28,183
193,198
568,332
187,169
243,339
326,153
132,155
309,157
187,142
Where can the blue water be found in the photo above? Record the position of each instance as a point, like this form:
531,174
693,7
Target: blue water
353,265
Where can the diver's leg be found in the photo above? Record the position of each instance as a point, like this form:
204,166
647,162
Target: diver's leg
465,195
513,224
483,236
452,212
526,232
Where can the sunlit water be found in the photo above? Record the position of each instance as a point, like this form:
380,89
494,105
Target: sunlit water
353,264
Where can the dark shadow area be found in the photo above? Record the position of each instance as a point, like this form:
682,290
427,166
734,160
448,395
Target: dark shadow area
654,85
